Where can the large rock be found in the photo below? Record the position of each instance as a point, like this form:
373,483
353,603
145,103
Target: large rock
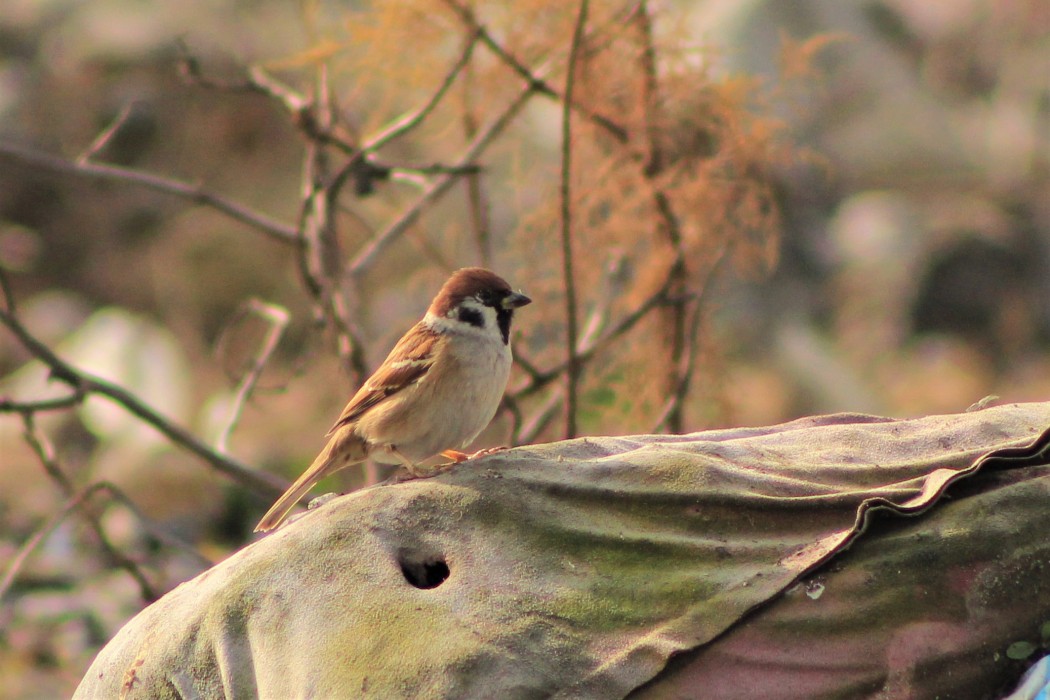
578,569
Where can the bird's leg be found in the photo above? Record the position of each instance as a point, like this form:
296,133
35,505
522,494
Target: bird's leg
408,464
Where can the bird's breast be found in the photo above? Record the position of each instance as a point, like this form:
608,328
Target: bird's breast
450,405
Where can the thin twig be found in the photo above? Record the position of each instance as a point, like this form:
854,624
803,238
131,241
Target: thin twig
368,255
5,288
315,120
106,136
406,122
543,417
528,366
320,259
264,484
45,452
539,379
73,503
362,163
612,289
676,315
687,363
477,205
531,78
9,405
158,533
178,188
277,319
650,90
572,371
429,169
41,534
258,81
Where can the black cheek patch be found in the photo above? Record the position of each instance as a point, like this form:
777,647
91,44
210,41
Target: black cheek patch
472,316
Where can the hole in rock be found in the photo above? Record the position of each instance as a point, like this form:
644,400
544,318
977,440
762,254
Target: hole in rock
423,571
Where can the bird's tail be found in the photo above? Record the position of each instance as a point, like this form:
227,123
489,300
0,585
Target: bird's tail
343,450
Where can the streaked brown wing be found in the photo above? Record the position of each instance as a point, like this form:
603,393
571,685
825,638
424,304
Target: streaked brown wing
406,364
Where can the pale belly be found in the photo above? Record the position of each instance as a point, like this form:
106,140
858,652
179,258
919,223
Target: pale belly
444,415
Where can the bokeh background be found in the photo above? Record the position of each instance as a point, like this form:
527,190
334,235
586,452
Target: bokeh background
820,206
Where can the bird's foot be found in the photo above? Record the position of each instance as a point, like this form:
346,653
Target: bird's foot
489,451
456,456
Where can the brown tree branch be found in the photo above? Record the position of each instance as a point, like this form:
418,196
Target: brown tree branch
45,452
405,123
687,362
170,186
74,502
262,483
105,136
277,319
367,256
676,321
532,427
477,205
321,259
9,405
572,366
41,534
531,78
538,379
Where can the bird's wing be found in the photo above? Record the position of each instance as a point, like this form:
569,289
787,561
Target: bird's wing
406,364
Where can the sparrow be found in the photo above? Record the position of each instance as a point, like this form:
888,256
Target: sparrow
435,392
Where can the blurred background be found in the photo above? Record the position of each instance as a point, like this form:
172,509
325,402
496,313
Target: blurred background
778,210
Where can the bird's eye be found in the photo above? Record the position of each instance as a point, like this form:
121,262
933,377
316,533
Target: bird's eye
486,297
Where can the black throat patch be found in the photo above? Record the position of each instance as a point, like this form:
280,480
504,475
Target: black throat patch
503,317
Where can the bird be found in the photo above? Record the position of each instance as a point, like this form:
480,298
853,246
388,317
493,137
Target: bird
435,392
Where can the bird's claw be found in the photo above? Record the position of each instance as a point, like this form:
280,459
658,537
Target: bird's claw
489,451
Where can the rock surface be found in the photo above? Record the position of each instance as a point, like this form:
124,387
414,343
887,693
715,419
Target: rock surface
578,569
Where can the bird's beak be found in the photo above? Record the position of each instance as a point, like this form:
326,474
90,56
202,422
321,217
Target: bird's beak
515,300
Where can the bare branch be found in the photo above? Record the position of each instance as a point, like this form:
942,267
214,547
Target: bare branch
544,416
528,366
539,379
159,533
5,288
72,504
367,256
687,362
293,102
406,122
41,534
431,169
178,188
320,258
612,289
264,484
477,204
669,227
572,371
363,165
299,107
45,452
532,79
8,405
277,318
106,136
